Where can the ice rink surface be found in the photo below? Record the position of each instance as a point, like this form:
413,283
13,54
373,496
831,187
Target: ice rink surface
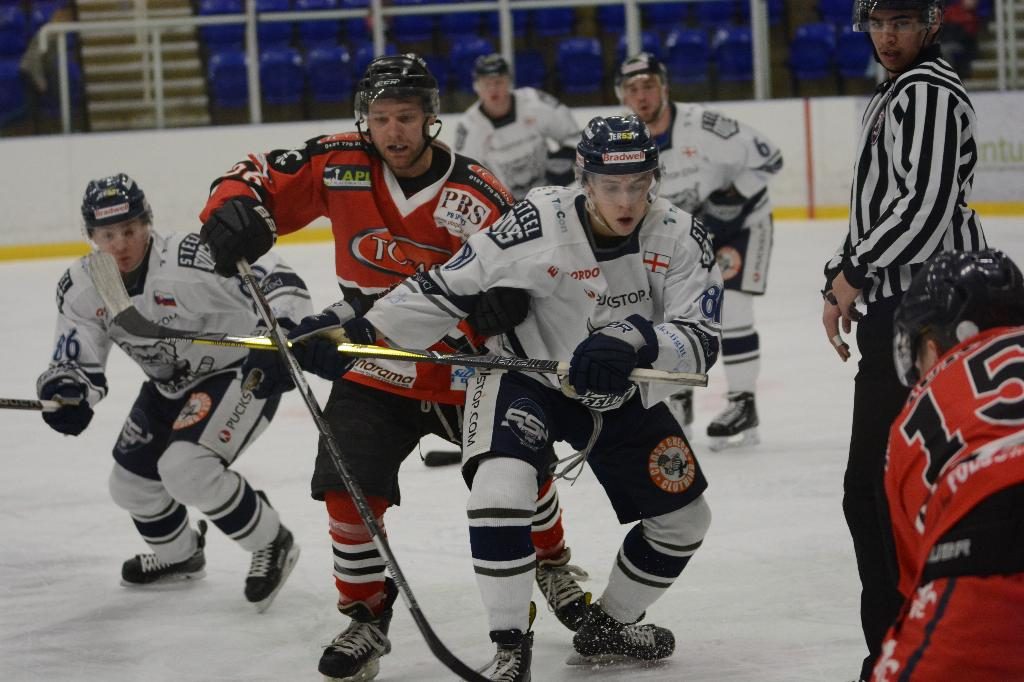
771,596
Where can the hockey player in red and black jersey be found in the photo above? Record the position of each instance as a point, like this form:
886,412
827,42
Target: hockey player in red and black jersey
954,475
399,202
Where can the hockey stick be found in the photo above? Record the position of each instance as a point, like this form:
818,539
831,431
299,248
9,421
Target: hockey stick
108,282
443,654
38,405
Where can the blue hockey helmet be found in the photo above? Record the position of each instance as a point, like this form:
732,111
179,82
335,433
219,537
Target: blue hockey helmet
616,145
114,199
953,297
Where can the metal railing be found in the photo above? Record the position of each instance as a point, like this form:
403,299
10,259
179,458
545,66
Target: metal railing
154,28
1006,44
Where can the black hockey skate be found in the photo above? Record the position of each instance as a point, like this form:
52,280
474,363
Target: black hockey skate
146,569
737,425
354,655
512,660
603,640
558,582
681,406
269,569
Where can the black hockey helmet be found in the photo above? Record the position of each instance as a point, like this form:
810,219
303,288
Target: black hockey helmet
642,64
616,145
490,65
929,11
113,199
953,297
397,77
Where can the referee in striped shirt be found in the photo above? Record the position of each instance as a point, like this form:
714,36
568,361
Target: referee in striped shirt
912,181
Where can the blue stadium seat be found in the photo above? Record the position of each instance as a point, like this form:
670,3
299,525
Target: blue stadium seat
459,25
355,29
218,38
412,28
611,18
520,22
687,56
556,21
649,42
731,48
530,69
854,54
580,65
836,11
329,74
664,16
318,33
277,33
812,50
12,92
362,55
13,31
440,66
227,78
281,76
715,12
461,57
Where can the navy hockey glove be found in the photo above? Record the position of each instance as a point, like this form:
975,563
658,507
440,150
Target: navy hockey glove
264,371
242,227
70,419
603,361
499,310
315,340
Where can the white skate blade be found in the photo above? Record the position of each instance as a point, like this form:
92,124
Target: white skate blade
740,440
289,564
610,660
169,582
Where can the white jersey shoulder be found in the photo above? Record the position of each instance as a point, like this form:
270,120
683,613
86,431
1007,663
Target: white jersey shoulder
181,291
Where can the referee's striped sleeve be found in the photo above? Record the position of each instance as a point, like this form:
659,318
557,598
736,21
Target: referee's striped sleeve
926,158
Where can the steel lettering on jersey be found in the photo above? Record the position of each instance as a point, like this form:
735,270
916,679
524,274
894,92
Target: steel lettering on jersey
62,289
520,225
378,249
192,253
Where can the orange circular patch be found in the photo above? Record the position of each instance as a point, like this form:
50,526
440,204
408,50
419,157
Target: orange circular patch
194,411
729,262
671,465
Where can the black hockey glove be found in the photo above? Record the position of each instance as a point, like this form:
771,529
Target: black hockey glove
724,214
315,340
603,361
499,310
242,227
70,419
264,371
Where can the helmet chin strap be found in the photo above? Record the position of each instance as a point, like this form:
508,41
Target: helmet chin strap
427,137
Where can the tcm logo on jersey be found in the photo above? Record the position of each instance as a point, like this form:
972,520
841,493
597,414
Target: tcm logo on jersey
622,157
371,369
525,419
194,411
671,465
458,209
347,177
378,249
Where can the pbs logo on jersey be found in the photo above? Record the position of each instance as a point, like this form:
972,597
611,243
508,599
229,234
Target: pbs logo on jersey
671,465
460,212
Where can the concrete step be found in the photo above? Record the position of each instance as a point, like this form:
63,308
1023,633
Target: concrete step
184,46
119,14
144,120
134,89
137,105
172,68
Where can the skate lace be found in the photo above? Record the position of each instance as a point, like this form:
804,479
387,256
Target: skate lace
261,562
359,638
504,667
733,412
559,584
150,563
639,635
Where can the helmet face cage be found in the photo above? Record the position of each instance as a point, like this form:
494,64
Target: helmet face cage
956,295
397,77
112,200
929,12
643,64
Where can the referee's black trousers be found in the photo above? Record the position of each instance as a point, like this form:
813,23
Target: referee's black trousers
877,400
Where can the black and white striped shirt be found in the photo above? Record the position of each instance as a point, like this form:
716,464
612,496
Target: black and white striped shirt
912,180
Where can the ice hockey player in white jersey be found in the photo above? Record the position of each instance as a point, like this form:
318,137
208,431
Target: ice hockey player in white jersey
717,169
194,414
618,278
526,137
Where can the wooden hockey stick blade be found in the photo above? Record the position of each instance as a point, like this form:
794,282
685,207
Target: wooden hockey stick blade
37,405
